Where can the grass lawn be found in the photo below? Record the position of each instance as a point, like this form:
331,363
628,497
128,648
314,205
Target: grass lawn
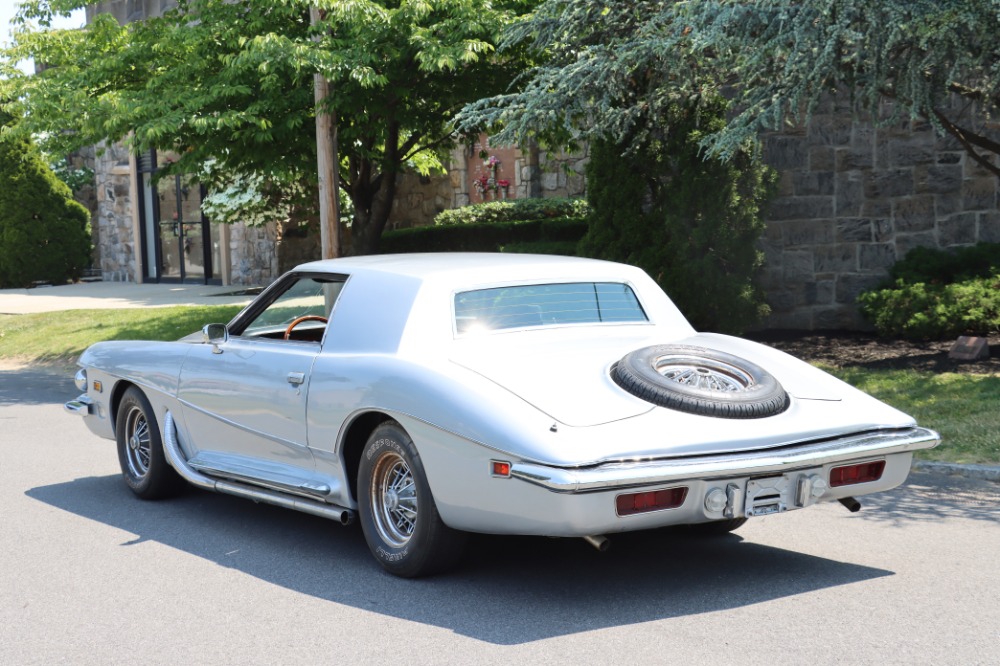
964,408
60,337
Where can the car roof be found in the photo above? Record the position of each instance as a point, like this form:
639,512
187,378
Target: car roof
476,267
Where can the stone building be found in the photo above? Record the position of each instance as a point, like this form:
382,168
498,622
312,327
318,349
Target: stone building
852,200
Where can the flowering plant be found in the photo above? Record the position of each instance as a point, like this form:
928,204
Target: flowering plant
487,183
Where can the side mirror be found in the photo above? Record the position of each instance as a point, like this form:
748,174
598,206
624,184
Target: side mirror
215,335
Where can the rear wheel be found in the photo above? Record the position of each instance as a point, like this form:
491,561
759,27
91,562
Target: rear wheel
397,511
140,449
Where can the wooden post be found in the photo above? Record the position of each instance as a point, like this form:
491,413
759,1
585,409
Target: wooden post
328,163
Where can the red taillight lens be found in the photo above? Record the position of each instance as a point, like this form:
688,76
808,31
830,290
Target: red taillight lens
651,501
852,474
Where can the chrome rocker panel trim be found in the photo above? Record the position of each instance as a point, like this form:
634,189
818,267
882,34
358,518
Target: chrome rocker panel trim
613,476
175,457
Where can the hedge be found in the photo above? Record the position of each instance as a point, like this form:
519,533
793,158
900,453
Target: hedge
492,237
514,210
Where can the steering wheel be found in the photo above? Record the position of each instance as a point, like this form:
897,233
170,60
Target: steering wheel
296,322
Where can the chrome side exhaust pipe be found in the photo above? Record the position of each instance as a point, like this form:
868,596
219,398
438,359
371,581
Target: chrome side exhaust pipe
599,542
172,451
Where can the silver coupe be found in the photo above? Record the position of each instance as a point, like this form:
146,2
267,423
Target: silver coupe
430,396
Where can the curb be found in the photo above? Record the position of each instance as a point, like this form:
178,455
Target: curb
984,472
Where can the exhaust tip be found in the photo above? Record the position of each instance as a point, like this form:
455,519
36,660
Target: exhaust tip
851,504
600,542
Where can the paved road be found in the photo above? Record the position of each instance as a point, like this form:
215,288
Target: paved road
90,575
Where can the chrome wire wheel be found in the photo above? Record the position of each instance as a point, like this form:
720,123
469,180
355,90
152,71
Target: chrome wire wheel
139,443
704,374
393,499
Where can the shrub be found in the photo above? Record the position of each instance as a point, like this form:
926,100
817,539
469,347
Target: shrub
689,221
935,294
482,237
44,233
513,210
925,264
492,237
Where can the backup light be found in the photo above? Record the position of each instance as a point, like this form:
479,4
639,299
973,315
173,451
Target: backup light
656,500
849,475
716,500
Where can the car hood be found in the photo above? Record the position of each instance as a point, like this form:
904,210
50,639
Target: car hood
570,381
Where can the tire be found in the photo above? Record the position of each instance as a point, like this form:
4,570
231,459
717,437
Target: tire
716,527
397,511
700,381
140,449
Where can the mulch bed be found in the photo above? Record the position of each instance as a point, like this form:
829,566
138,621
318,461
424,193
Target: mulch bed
851,349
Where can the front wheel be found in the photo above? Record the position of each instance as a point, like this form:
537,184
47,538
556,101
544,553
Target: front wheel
140,449
397,511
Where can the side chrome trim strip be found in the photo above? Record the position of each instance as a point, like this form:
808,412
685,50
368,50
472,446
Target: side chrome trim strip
615,476
234,424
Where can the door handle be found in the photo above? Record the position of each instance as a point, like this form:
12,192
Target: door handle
296,378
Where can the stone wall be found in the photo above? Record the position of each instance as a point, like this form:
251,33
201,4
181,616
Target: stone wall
254,254
852,200
117,246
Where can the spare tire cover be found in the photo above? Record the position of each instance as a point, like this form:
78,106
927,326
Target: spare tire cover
700,381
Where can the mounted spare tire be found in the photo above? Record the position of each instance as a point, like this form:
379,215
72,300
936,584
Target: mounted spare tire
700,381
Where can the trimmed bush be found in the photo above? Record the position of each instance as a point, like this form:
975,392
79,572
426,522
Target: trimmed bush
938,294
493,237
689,221
514,210
44,233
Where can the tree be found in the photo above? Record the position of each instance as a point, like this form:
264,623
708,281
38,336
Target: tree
775,59
605,74
650,209
44,233
231,84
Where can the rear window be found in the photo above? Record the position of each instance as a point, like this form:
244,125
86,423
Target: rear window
546,305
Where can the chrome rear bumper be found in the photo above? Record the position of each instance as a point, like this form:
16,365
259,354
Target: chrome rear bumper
614,476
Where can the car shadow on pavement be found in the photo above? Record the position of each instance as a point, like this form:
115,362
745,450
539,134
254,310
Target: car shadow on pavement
509,590
934,497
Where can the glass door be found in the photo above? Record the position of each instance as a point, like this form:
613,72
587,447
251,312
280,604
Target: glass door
177,238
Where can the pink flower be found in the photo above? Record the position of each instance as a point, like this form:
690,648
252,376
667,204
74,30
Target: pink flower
503,183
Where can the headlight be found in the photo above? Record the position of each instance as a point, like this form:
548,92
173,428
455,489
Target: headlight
81,379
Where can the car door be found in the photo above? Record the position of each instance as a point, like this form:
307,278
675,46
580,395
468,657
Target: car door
244,399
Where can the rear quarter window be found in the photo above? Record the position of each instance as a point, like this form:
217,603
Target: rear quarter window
526,306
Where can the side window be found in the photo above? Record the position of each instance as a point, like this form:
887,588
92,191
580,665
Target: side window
312,297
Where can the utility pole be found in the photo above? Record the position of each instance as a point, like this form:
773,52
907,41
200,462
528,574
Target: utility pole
328,163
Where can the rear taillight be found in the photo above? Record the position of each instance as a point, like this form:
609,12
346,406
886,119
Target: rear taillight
655,500
848,475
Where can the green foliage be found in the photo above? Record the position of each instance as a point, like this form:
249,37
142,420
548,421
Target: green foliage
924,311
938,294
566,247
513,210
487,237
925,264
689,222
231,84
609,68
44,233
